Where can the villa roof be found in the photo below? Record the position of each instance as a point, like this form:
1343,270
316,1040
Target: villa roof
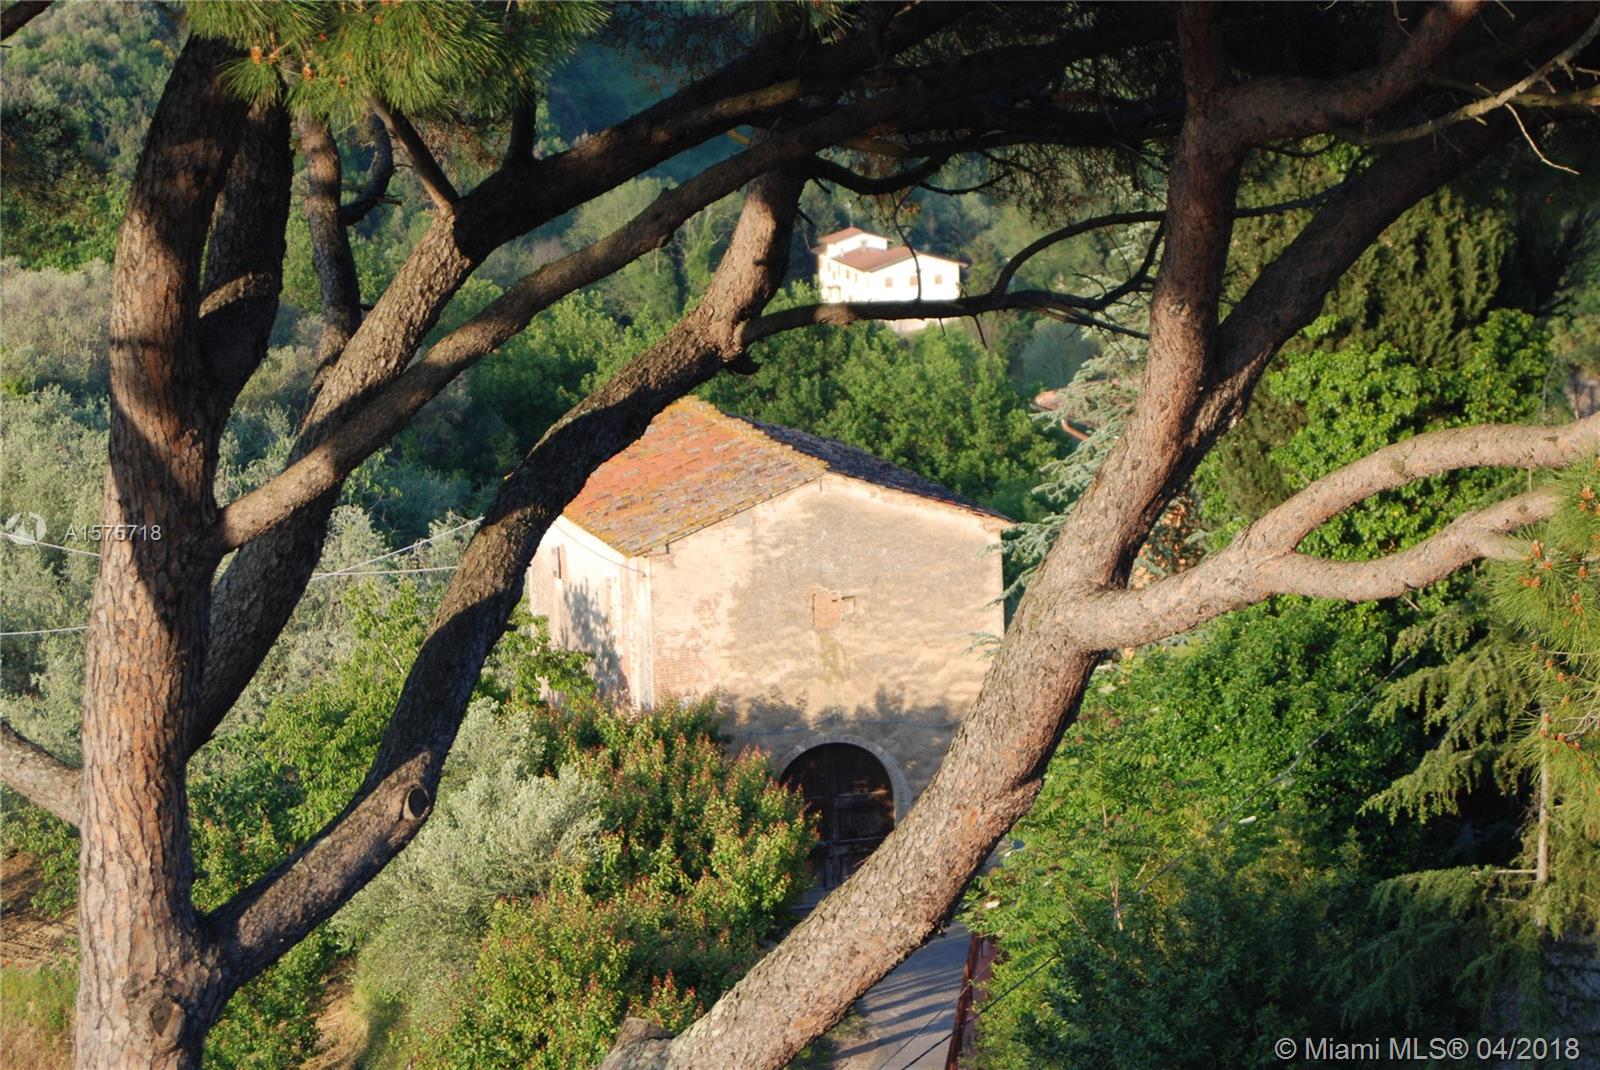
870,260
696,465
841,235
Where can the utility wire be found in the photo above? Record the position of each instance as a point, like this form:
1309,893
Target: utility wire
357,569
23,540
351,569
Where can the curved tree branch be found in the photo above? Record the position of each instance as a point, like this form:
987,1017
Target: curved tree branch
840,175
1474,536
379,173
39,776
1272,109
1262,560
244,259
1514,93
330,244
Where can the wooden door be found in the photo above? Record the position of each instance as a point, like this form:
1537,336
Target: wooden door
847,790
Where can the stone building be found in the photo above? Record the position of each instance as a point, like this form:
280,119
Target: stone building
855,265
829,600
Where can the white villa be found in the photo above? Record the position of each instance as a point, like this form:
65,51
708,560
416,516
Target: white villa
855,265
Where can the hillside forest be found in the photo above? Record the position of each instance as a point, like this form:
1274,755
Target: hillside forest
1303,818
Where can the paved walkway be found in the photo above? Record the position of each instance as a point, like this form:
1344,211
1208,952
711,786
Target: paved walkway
910,1012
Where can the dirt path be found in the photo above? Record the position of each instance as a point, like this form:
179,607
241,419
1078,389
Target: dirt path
28,939
343,1028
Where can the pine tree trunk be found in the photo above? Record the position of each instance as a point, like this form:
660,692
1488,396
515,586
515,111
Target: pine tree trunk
148,989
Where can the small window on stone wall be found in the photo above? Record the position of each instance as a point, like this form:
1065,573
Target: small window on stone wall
829,608
558,563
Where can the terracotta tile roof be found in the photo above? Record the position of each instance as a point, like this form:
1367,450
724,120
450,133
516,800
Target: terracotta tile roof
840,235
846,460
696,465
873,259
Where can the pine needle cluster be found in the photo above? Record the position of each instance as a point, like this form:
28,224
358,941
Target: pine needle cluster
420,56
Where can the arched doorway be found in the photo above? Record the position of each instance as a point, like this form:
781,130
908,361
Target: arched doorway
850,792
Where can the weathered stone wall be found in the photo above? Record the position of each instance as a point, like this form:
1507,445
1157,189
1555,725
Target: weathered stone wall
597,602
838,609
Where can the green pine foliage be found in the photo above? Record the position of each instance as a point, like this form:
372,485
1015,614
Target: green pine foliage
1510,695
421,56
1551,598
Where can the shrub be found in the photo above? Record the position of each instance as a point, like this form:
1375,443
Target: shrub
696,857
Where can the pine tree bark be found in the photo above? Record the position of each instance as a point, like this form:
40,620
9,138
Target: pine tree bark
147,988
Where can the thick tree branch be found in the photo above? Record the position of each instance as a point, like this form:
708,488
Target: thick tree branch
395,798
1262,561
244,259
520,143
39,776
19,14
330,245
423,163
840,175
1272,109
379,173
1474,536
1515,92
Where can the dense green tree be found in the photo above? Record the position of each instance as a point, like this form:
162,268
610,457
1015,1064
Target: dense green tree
1191,847
75,100
934,402
1137,874
1513,706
